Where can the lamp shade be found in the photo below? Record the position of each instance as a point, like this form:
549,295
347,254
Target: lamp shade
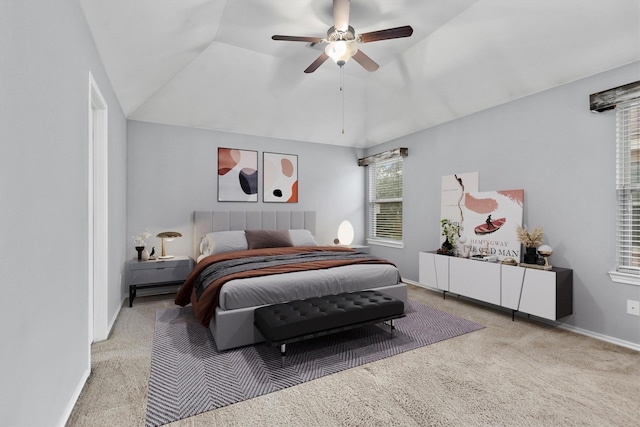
168,236
341,51
345,233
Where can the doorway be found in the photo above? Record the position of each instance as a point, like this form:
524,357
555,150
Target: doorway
97,215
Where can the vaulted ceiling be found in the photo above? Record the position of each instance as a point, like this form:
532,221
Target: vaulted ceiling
212,63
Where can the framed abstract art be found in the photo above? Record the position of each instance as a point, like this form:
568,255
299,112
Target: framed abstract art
490,222
280,178
237,175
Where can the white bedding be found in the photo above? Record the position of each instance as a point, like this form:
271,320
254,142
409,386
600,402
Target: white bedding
257,291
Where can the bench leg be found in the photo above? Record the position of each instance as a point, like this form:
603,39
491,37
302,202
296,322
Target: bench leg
391,327
283,350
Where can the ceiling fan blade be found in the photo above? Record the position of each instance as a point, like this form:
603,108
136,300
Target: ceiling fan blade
341,14
389,33
318,62
297,39
366,62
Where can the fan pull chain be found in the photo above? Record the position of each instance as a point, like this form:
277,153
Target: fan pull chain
342,90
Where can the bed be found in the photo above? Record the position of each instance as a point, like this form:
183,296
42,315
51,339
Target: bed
225,303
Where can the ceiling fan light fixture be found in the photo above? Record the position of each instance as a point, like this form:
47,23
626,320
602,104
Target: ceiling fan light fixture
341,51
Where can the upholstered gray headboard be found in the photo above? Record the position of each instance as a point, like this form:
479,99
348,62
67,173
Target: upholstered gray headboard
207,221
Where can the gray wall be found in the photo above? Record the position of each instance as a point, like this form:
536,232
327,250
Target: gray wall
548,144
563,155
172,171
47,53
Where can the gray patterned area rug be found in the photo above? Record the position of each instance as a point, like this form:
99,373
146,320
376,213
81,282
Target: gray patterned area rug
189,376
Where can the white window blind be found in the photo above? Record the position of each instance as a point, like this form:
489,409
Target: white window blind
385,201
628,187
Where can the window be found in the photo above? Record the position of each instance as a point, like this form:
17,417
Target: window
385,202
628,187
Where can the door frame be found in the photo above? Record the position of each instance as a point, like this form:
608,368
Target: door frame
98,214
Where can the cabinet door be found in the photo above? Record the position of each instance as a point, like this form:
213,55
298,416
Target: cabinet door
475,279
427,269
512,278
539,293
434,270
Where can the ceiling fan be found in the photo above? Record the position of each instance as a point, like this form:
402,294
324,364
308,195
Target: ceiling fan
341,40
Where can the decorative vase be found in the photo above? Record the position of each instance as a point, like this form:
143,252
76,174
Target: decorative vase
531,256
145,255
446,248
139,249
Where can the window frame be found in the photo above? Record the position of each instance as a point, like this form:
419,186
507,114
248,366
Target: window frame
372,202
627,194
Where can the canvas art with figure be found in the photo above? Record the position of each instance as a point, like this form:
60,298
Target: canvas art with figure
491,219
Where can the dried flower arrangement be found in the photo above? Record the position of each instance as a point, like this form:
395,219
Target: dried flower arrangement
141,239
531,239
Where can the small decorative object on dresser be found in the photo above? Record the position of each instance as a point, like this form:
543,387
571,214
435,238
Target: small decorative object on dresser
545,251
530,240
466,249
450,231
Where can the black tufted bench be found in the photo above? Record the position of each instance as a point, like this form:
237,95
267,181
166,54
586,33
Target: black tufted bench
298,320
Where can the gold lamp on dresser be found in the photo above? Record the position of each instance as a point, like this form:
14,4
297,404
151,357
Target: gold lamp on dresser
168,236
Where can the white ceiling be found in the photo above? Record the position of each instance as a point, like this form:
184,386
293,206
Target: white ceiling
212,64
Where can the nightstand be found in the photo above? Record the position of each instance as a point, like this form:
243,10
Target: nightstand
156,273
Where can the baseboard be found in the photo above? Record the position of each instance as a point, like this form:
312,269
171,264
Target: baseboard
420,285
571,328
112,321
85,376
74,398
601,337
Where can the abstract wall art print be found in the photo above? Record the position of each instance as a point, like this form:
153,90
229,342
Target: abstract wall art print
237,175
280,178
452,199
490,222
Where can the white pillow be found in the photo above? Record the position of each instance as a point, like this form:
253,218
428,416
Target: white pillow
226,241
204,246
302,238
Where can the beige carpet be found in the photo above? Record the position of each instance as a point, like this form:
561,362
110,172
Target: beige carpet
521,373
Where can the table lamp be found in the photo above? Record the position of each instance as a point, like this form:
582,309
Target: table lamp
345,233
168,236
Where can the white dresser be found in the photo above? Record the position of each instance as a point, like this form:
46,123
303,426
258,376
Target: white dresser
543,293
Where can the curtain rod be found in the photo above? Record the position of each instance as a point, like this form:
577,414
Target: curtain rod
608,99
385,155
